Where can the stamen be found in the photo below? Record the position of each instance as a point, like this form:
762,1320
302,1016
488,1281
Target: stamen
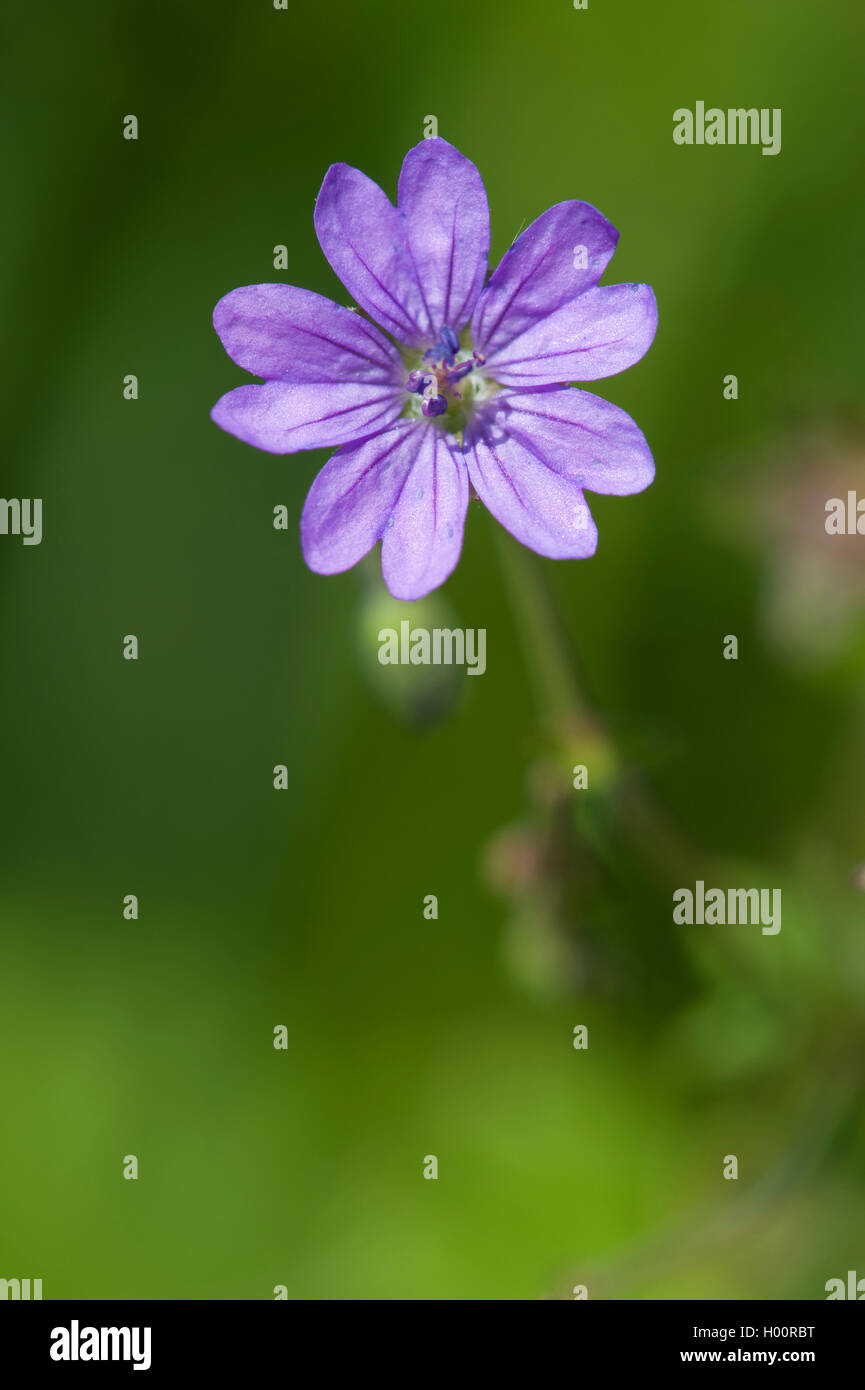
461,369
450,340
445,349
437,382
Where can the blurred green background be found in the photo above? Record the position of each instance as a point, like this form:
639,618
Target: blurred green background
304,907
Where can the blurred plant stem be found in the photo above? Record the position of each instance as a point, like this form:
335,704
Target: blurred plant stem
540,861
550,666
567,717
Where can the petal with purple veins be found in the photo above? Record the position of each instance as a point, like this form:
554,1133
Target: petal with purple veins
281,418
587,440
538,274
351,498
407,486
364,238
598,334
279,331
544,510
447,219
423,534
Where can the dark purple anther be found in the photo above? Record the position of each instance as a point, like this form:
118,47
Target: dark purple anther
434,405
445,349
451,342
417,381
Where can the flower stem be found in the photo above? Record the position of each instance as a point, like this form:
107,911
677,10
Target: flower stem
550,668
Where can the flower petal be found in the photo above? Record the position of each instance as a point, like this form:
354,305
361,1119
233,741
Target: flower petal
580,436
282,418
295,335
543,509
408,486
538,274
423,535
595,335
447,218
364,238
352,497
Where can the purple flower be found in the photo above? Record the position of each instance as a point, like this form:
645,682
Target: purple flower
466,384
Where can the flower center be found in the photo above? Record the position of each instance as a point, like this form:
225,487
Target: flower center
447,382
